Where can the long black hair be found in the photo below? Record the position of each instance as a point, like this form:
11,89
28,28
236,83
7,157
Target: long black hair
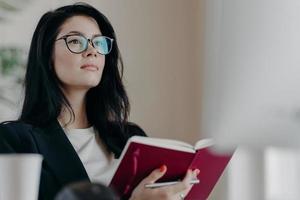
106,103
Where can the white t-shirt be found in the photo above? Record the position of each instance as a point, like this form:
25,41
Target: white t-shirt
98,163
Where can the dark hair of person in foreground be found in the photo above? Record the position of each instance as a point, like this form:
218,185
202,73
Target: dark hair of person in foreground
86,191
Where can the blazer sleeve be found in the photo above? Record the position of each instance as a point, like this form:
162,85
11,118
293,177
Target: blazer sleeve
16,137
10,141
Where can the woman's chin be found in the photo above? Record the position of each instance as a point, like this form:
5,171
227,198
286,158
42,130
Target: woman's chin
81,86
91,83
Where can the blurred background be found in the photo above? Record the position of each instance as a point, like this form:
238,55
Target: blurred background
183,62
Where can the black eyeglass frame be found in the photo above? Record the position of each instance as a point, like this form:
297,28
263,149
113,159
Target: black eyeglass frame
89,42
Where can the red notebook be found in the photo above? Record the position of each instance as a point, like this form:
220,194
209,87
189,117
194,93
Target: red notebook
142,155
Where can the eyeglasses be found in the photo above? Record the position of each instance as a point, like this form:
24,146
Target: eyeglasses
78,43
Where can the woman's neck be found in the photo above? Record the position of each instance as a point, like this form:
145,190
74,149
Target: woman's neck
78,104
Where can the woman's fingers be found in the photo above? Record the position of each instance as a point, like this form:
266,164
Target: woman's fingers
184,184
183,187
155,175
177,191
140,192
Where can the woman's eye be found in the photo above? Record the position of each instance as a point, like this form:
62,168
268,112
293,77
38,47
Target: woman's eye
98,43
74,41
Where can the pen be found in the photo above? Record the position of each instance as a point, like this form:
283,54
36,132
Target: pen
155,185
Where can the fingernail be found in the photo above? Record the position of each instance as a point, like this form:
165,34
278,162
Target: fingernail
163,168
196,171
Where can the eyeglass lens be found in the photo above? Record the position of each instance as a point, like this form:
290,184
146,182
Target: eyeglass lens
78,44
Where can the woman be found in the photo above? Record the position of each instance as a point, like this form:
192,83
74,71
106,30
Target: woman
75,108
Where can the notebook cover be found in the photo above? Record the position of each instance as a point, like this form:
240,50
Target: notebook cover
140,160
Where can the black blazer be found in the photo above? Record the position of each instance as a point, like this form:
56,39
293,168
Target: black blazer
61,164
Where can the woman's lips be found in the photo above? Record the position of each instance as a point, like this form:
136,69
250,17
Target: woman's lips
89,67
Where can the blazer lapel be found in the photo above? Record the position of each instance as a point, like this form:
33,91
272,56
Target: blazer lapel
59,154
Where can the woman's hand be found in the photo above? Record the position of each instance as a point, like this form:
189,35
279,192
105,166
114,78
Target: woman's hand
173,192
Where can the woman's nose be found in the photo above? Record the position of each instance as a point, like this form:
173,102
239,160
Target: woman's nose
91,51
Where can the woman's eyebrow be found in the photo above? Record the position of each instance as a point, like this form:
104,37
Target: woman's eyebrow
78,32
95,35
